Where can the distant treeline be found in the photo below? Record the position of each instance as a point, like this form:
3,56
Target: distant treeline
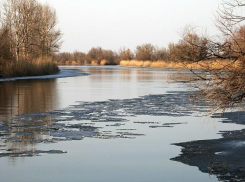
181,51
28,38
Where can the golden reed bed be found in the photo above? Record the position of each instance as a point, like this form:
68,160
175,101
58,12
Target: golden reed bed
29,68
208,64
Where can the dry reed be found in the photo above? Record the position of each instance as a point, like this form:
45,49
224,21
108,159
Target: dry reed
103,62
211,64
94,62
29,68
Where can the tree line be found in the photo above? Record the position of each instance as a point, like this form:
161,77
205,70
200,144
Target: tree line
180,51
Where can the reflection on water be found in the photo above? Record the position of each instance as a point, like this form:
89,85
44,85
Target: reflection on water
26,96
20,97
59,125
81,104
34,96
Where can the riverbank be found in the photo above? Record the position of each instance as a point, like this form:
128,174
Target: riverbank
23,68
210,64
207,64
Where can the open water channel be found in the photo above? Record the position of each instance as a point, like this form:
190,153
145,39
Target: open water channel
116,124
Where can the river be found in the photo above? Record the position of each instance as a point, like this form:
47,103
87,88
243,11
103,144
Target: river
136,147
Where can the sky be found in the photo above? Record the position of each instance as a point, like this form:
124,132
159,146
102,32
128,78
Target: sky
113,24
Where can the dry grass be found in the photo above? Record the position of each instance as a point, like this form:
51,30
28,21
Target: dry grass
94,62
215,64
103,62
211,64
29,68
163,64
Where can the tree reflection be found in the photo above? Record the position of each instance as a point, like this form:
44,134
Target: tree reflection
23,97
27,96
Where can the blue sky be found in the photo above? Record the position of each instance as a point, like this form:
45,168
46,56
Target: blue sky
112,24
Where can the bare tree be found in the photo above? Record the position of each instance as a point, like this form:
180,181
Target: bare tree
159,54
48,36
225,86
109,56
5,47
144,52
79,57
32,28
95,54
126,54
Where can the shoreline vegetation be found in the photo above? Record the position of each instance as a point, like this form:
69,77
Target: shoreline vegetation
212,64
28,39
146,55
29,68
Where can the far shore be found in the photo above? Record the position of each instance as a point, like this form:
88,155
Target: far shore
210,64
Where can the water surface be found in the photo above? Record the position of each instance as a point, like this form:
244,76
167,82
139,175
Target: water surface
144,158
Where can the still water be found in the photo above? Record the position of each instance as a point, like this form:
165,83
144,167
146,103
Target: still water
138,159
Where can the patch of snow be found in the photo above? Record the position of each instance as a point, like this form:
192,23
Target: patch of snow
63,73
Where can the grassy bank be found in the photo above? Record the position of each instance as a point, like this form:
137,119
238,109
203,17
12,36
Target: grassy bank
210,64
28,68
